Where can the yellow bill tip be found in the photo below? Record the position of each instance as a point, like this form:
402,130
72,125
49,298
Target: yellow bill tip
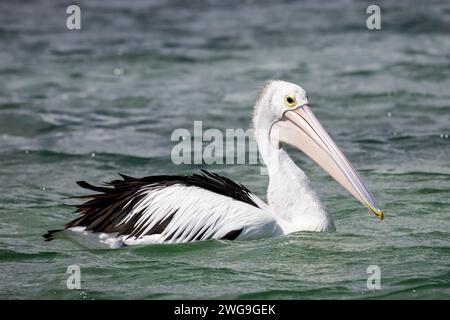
378,212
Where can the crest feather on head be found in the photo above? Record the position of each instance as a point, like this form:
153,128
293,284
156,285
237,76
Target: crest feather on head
261,94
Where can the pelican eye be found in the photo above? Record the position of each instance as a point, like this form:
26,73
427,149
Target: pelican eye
290,101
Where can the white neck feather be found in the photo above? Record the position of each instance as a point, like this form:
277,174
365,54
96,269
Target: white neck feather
292,198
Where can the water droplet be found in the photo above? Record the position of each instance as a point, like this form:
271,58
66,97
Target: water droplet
43,188
27,151
83,295
389,114
414,290
118,71
93,154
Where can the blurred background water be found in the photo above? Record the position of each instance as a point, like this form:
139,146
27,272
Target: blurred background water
87,104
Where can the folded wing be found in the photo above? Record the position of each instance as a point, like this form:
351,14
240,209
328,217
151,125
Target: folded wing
173,209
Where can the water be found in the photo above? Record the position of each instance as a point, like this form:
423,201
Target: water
86,104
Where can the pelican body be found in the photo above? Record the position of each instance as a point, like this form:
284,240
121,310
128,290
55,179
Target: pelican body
175,209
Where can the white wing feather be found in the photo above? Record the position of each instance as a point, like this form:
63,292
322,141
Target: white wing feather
197,212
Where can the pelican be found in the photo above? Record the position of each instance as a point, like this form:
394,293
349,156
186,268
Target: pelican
176,209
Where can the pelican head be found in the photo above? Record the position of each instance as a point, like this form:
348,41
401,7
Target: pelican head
282,111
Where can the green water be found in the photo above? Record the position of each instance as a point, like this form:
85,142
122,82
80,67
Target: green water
87,104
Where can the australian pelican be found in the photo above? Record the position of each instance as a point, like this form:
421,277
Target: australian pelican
174,209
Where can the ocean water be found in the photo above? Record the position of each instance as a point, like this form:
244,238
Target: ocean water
86,104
